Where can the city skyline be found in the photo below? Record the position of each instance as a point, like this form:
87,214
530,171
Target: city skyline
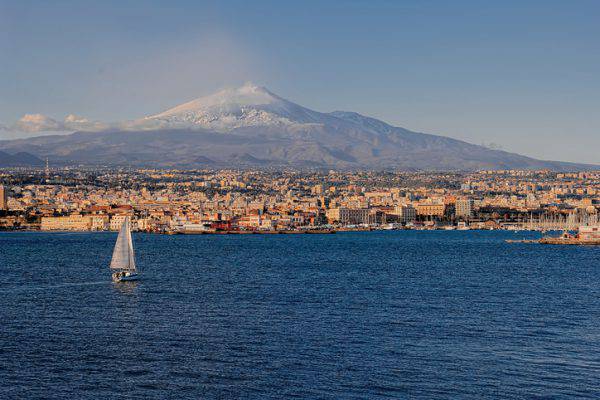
259,201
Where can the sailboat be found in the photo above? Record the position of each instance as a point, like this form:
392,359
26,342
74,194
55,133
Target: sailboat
123,259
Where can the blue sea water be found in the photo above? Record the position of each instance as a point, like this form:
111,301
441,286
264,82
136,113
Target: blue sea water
347,316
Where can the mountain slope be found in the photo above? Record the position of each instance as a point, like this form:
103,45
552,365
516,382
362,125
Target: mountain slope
20,159
250,126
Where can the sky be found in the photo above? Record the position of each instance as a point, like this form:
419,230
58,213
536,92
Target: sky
518,75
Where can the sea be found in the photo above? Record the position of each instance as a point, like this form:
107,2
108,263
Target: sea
355,315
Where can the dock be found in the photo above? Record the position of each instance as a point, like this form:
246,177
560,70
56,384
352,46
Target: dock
558,241
570,241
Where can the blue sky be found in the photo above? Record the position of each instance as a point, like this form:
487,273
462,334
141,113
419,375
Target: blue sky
522,74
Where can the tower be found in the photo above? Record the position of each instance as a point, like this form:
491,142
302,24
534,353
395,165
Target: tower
3,198
47,170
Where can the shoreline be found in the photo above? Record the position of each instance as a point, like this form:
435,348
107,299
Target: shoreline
266,232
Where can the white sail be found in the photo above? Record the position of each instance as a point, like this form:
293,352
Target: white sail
123,257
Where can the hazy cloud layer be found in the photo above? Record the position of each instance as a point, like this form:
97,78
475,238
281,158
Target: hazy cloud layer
38,124
33,123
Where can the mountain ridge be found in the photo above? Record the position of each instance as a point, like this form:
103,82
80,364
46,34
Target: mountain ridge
251,126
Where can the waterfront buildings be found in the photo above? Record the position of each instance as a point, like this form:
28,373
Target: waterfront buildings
431,210
464,207
589,233
406,213
357,216
73,222
205,200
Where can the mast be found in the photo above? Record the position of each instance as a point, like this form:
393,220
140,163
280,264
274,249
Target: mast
130,246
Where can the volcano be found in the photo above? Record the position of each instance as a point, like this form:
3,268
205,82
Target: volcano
250,126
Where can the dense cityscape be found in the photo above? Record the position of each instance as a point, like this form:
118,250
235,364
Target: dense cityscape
242,201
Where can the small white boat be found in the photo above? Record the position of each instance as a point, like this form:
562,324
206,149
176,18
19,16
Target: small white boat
123,259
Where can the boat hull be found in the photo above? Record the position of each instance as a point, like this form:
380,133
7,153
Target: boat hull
126,278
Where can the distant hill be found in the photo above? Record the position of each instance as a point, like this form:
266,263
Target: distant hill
252,127
20,159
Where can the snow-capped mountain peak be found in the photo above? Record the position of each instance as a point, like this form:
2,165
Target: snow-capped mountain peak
248,105
227,99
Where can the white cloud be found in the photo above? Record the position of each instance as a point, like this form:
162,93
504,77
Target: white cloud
37,123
